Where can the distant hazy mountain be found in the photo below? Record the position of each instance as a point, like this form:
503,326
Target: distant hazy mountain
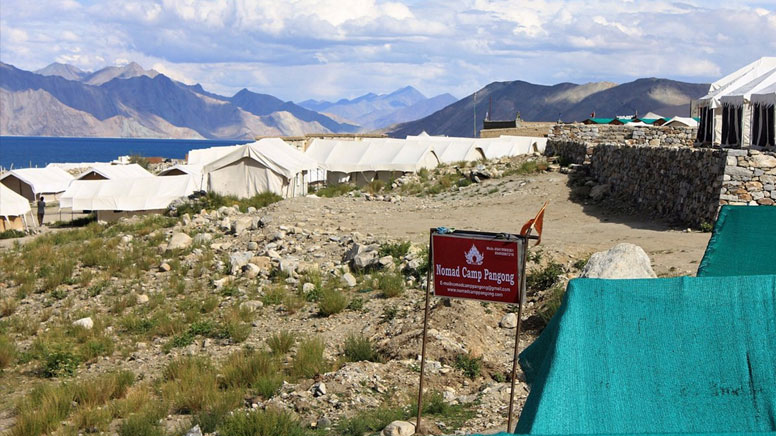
372,111
129,101
565,101
68,72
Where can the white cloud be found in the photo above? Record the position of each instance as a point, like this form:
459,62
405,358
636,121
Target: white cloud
302,49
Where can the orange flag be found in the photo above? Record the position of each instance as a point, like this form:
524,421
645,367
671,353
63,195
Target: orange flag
536,224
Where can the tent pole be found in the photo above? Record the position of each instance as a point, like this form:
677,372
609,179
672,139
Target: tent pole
425,330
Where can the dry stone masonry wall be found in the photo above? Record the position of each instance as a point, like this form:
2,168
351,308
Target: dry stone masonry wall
677,183
594,134
750,178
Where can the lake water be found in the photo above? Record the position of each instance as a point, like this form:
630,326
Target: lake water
26,151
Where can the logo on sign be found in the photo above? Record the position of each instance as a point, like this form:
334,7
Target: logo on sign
473,256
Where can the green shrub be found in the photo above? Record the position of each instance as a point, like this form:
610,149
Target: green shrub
545,277
332,301
12,234
42,410
213,201
468,364
358,348
391,284
189,384
551,303
705,227
356,303
8,306
397,249
178,341
309,360
274,294
389,313
144,424
433,404
281,342
60,363
214,413
335,190
370,421
268,422
101,389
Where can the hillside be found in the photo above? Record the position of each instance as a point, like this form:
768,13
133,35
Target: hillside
565,101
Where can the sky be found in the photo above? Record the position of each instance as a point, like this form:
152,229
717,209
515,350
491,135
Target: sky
331,49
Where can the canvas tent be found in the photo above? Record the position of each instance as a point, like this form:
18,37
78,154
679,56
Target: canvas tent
13,210
681,122
655,356
764,117
267,165
111,172
114,198
193,170
726,110
204,156
31,183
361,162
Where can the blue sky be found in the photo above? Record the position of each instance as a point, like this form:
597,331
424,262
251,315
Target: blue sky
299,49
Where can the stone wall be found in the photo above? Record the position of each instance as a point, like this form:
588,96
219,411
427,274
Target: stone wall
750,178
594,134
569,151
681,184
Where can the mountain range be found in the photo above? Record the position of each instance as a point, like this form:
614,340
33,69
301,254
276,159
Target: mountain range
564,101
129,101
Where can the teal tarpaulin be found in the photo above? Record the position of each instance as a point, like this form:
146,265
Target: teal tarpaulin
676,355
743,243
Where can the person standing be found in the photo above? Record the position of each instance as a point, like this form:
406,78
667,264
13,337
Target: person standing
41,209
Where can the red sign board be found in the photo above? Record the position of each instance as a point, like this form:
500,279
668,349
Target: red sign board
476,268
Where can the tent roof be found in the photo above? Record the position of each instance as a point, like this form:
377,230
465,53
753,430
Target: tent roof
685,121
117,171
738,78
11,203
140,193
371,154
42,180
651,116
273,153
765,96
744,92
192,169
204,156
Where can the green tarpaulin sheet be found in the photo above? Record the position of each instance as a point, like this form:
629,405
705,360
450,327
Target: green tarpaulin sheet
675,355
743,243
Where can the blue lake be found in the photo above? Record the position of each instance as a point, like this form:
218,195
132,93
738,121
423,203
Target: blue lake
25,151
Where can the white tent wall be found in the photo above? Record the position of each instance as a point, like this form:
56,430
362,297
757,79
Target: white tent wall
204,156
129,195
15,211
31,183
246,178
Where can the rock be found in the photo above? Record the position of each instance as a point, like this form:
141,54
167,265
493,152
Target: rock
428,427
220,283
308,287
164,267
126,239
86,323
508,321
265,221
263,262
250,271
350,280
599,191
142,299
253,246
240,225
323,422
764,161
399,428
202,238
186,219
289,265
386,261
318,389
179,241
365,259
623,261
239,259
194,431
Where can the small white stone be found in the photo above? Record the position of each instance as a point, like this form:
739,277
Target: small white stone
86,323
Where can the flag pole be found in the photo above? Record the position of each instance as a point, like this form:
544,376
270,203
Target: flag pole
425,330
522,259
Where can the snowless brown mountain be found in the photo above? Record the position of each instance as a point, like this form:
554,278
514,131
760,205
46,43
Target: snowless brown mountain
564,101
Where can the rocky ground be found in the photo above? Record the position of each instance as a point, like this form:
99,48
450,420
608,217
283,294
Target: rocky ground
263,271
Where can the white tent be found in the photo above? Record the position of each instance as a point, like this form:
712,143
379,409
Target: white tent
716,114
764,117
112,172
141,194
267,165
369,159
204,156
681,122
30,183
13,210
193,170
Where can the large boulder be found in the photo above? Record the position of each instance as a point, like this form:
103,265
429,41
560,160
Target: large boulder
239,259
399,428
623,261
179,241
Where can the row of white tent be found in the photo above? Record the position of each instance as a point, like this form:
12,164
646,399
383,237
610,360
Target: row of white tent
740,109
268,165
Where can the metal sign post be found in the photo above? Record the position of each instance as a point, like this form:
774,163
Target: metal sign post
479,266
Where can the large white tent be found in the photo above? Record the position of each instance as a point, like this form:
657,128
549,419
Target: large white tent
112,172
363,161
194,170
764,117
31,183
13,210
726,110
140,194
267,165
204,156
